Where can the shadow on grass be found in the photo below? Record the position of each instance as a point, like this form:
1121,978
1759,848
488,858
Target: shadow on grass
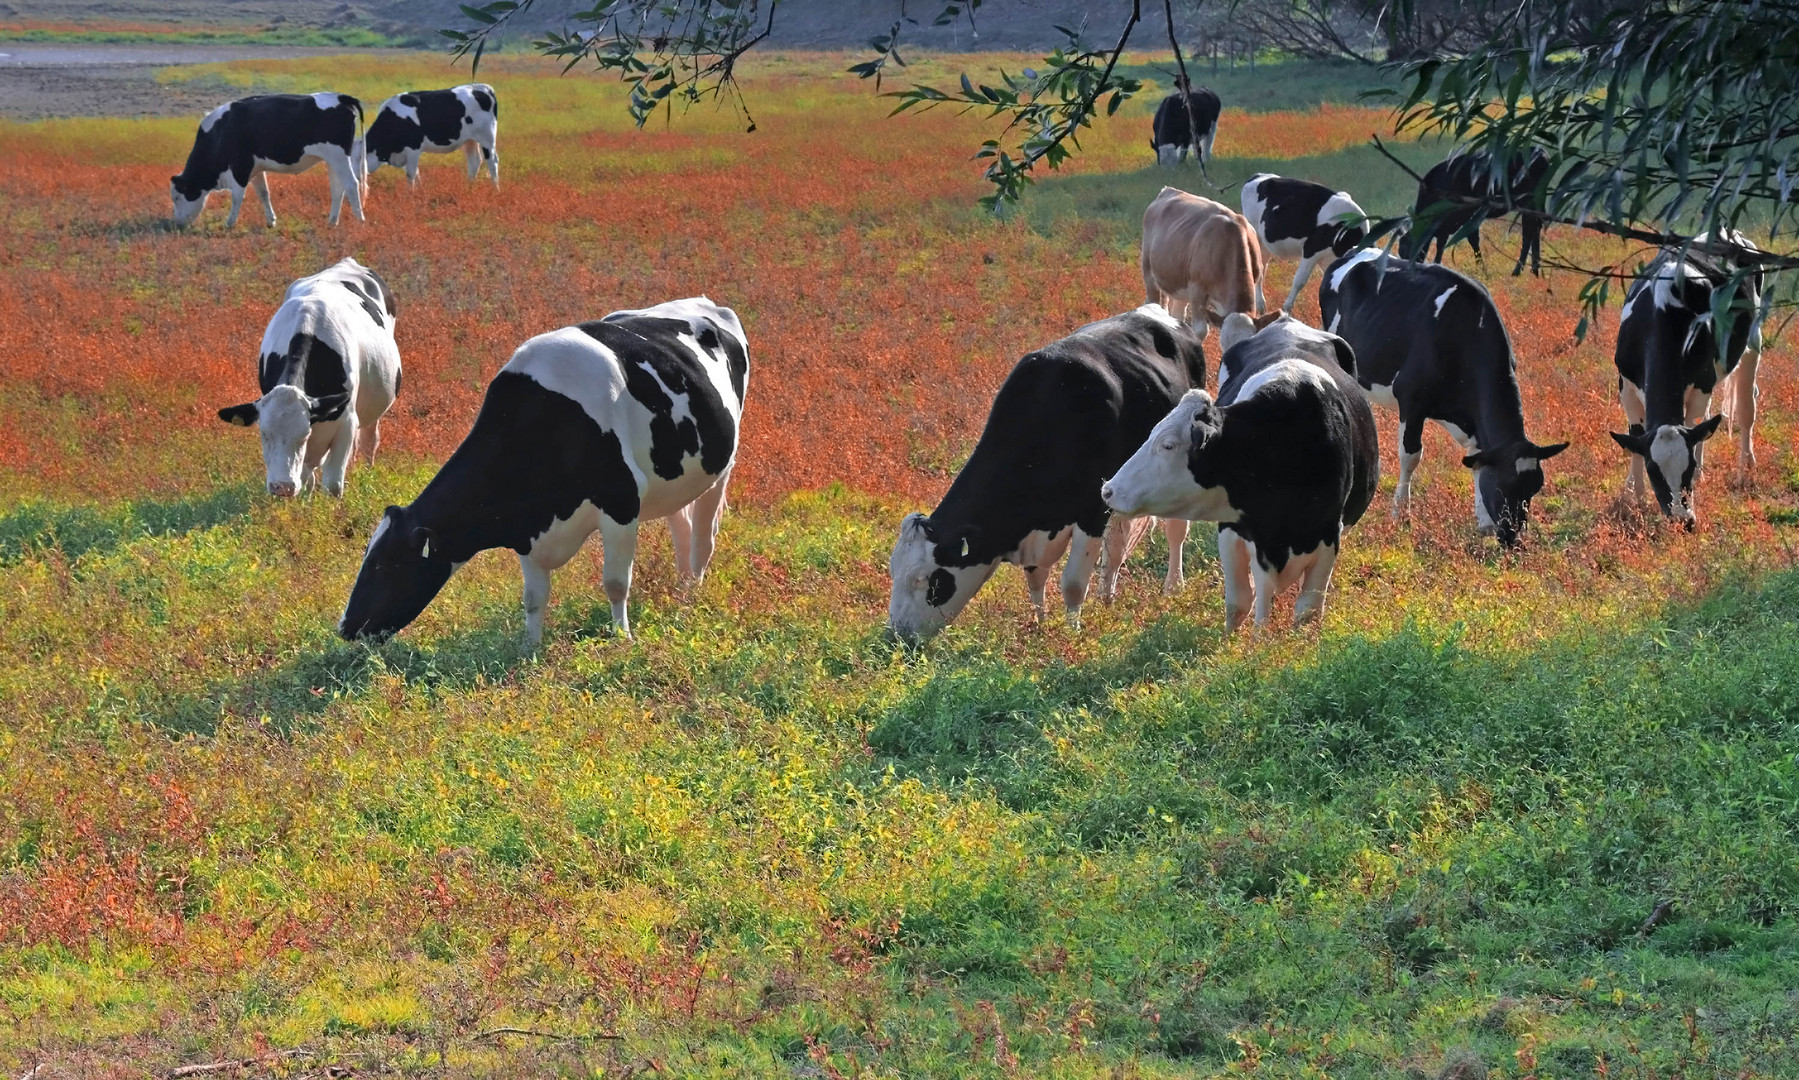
288,699
34,527
126,229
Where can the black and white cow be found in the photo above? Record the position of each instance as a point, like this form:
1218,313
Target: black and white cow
1297,219
1442,203
600,426
1284,461
1066,416
422,122
1669,366
1429,342
241,142
329,371
1172,136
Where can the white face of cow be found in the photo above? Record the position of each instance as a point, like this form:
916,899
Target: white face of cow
185,209
284,417
1158,479
927,594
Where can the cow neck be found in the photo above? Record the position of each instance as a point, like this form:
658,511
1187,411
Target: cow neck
1499,407
971,501
465,526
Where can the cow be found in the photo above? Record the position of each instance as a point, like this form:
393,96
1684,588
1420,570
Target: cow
1448,189
1284,460
1200,259
598,426
420,122
1429,343
1297,219
241,142
329,371
1067,415
1670,364
1171,137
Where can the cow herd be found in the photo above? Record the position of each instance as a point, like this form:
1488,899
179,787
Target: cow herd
601,426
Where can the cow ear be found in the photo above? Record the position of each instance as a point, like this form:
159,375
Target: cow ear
1543,453
1263,322
329,407
1700,432
1632,442
1345,355
1480,459
241,415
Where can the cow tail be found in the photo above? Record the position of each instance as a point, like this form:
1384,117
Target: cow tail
1252,261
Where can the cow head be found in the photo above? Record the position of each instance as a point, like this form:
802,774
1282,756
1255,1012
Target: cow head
400,575
187,199
285,416
1506,479
934,577
1169,475
1671,456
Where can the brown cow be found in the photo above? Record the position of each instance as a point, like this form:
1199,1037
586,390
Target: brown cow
1200,259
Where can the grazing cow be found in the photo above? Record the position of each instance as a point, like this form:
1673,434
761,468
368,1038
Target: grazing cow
1297,219
1066,416
1172,136
1669,365
601,426
1284,461
1470,176
241,142
422,122
1429,342
1200,259
329,371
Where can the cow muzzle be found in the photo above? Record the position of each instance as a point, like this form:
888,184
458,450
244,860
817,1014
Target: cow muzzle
281,489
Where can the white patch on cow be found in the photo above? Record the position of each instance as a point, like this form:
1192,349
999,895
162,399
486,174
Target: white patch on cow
1350,262
1382,396
1279,372
1159,314
1670,453
1238,327
1336,320
212,117
563,537
379,531
912,564
1465,439
1444,299
401,109
325,99
1664,284
1337,208
1254,206
1483,519
1630,302
1526,464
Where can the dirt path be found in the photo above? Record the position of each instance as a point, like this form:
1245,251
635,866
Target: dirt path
42,81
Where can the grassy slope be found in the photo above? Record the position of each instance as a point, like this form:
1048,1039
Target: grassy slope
758,842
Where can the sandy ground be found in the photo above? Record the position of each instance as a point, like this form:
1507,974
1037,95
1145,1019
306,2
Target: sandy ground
39,81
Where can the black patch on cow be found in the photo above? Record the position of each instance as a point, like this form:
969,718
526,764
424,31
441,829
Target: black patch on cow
1451,363
367,297
1298,460
487,101
1064,420
310,364
1292,209
274,128
939,587
1171,127
648,349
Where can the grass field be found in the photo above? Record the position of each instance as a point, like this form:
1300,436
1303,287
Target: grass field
1430,838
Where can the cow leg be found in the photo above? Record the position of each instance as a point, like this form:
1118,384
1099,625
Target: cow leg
237,204
493,164
472,158
1411,450
261,183
680,533
1267,586
1175,530
1301,275
1038,562
1314,584
1077,573
1742,407
344,185
337,459
368,440
618,542
707,513
1122,535
1636,476
537,597
1204,152
1239,587
412,169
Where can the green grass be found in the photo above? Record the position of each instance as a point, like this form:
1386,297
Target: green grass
1272,87
758,840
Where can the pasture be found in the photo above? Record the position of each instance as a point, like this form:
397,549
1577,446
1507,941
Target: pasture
1530,814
